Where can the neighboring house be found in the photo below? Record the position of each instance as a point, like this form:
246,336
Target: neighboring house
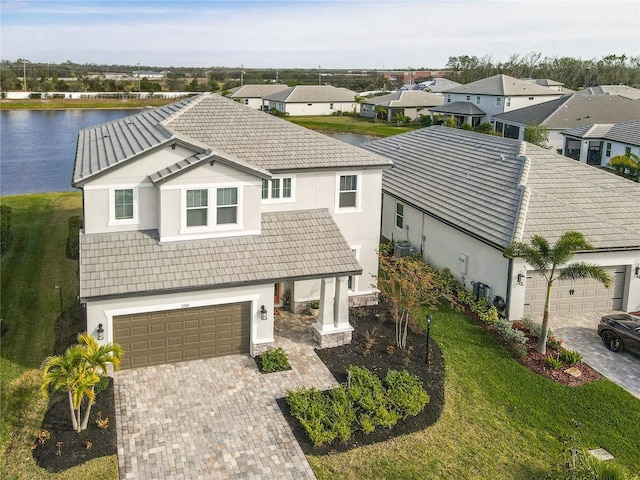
251,95
597,144
409,103
439,85
620,90
459,198
494,95
200,215
572,111
311,100
552,84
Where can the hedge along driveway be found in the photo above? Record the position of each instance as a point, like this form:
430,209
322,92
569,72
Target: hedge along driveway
32,267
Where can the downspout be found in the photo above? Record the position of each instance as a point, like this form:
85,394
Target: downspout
508,299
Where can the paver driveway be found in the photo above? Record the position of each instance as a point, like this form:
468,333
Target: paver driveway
215,418
580,332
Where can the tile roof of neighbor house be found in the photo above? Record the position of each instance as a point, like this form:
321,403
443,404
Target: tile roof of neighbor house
498,189
621,90
459,108
624,132
407,98
575,111
221,125
313,93
439,85
255,91
292,245
503,86
545,82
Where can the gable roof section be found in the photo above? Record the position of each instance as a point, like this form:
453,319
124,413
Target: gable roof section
109,144
292,245
221,125
313,93
503,86
574,111
407,98
439,85
624,132
264,140
255,91
498,190
621,90
459,108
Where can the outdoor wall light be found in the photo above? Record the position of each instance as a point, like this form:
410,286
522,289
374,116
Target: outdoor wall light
100,332
638,271
520,278
263,313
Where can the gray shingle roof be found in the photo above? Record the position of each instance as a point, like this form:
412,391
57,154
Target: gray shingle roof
503,85
256,91
313,93
407,98
499,189
624,132
212,122
574,111
621,90
459,108
292,245
438,85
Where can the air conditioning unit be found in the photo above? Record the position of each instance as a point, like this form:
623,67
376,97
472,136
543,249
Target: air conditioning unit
480,290
402,249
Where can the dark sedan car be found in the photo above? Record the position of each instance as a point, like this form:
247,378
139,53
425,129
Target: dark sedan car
620,331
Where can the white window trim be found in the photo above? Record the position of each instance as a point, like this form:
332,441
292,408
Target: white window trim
358,207
291,199
212,210
112,208
498,101
395,218
478,100
356,252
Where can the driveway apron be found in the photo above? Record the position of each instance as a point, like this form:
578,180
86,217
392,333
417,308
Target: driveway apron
214,418
580,332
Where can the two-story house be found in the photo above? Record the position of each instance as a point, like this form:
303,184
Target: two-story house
200,215
311,100
477,102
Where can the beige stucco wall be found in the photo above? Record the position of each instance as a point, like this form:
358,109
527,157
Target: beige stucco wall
103,311
318,108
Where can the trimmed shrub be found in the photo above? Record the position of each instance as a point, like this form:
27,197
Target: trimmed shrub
273,360
534,327
344,415
313,411
6,232
73,238
367,392
405,392
510,334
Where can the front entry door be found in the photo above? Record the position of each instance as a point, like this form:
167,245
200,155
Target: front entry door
276,294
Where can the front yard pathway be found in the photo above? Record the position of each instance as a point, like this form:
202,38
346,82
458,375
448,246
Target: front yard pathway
215,418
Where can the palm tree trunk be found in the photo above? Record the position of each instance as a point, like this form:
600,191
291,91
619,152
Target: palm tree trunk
78,420
74,422
85,420
542,341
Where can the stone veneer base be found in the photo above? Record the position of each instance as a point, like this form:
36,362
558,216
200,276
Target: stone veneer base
329,340
260,348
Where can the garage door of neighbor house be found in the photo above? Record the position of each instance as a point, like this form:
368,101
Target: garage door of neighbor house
185,334
583,295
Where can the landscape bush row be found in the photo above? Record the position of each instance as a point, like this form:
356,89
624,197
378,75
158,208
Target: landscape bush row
363,403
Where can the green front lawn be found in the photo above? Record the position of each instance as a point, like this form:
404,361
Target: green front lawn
358,125
30,309
500,421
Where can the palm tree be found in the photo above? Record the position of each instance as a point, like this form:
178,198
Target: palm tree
630,162
97,357
548,259
69,372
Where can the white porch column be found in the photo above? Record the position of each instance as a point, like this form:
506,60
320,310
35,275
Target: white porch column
341,304
325,322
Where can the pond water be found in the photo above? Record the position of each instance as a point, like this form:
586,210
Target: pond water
37,147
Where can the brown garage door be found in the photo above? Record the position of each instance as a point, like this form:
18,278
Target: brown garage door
583,295
184,334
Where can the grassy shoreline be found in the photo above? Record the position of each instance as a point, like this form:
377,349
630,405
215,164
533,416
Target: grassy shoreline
85,103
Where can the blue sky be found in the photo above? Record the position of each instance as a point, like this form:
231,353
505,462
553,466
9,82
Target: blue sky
308,33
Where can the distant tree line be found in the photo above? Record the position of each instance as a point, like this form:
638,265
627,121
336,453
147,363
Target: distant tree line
574,73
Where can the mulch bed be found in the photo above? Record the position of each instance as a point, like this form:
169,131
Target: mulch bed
380,358
65,448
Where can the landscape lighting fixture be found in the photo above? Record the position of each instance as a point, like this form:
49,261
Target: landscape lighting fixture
100,332
428,332
263,313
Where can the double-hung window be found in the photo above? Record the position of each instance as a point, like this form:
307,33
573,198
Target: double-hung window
197,207
478,100
608,149
227,206
348,195
498,101
123,204
399,215
277,189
